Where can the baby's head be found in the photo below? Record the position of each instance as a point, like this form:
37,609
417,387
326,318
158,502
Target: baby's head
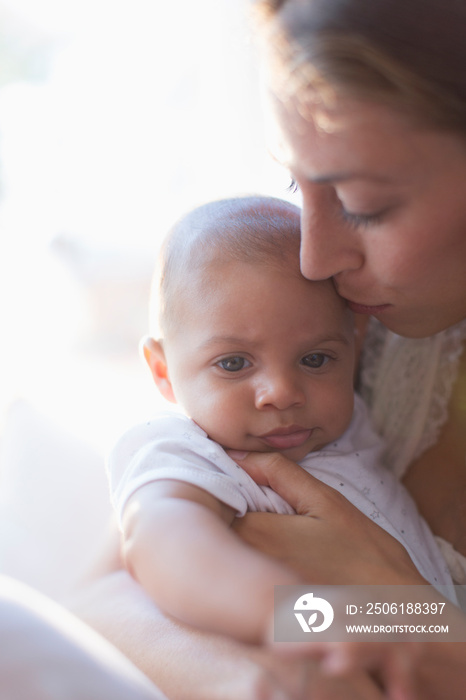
261,358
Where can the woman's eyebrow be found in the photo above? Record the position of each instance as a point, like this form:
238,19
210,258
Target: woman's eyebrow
336,177
333,177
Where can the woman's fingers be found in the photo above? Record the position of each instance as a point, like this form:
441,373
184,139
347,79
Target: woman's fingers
303,492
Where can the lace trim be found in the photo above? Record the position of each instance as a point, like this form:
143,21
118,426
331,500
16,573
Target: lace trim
371,353
453,342
407,384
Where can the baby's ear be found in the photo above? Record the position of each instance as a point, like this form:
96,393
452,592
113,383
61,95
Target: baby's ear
155,358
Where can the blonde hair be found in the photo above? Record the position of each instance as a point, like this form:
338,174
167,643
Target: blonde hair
255,229
410,54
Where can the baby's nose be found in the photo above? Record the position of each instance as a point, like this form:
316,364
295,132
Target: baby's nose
280,392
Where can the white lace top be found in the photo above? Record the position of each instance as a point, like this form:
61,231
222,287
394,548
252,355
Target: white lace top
407,384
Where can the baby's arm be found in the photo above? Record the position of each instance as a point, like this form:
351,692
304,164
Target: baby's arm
178,544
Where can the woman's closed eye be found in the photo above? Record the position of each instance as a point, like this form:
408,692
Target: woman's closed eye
356,220
370,212
235,363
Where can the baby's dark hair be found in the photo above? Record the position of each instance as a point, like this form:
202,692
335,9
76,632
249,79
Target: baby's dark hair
254,229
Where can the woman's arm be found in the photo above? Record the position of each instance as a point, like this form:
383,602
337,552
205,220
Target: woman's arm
177,542
189,664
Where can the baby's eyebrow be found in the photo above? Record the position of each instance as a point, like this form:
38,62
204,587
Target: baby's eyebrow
222,339
333,338
236,341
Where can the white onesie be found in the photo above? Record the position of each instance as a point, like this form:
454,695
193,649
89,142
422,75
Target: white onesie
171,446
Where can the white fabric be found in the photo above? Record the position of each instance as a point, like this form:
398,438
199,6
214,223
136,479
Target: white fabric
48,654
173,447
407,384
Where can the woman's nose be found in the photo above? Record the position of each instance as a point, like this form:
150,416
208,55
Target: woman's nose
328,246
280,392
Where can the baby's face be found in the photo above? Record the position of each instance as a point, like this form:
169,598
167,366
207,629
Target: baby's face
263,359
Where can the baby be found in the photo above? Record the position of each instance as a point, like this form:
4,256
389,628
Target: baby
260,359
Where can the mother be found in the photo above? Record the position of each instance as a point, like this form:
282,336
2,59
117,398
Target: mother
370,99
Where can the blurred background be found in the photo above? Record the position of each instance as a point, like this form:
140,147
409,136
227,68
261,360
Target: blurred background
116,116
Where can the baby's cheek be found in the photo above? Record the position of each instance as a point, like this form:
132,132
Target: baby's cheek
221,420
339,412
346,416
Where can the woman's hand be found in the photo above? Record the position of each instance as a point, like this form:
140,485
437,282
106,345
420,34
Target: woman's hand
334,543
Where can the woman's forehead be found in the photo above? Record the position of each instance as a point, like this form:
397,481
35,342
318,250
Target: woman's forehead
352,126
366,139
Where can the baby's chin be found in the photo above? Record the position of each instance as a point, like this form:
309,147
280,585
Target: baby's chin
295,454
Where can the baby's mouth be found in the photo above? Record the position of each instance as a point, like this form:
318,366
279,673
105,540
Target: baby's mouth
285,438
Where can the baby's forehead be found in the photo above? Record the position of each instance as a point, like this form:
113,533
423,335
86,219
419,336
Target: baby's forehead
221,279
239,303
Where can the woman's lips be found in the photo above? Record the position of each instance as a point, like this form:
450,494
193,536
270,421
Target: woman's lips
284,438
365,309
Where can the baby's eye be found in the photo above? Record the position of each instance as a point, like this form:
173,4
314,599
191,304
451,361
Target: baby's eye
315,360
233,364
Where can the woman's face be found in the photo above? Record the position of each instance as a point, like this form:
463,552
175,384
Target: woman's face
384,213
